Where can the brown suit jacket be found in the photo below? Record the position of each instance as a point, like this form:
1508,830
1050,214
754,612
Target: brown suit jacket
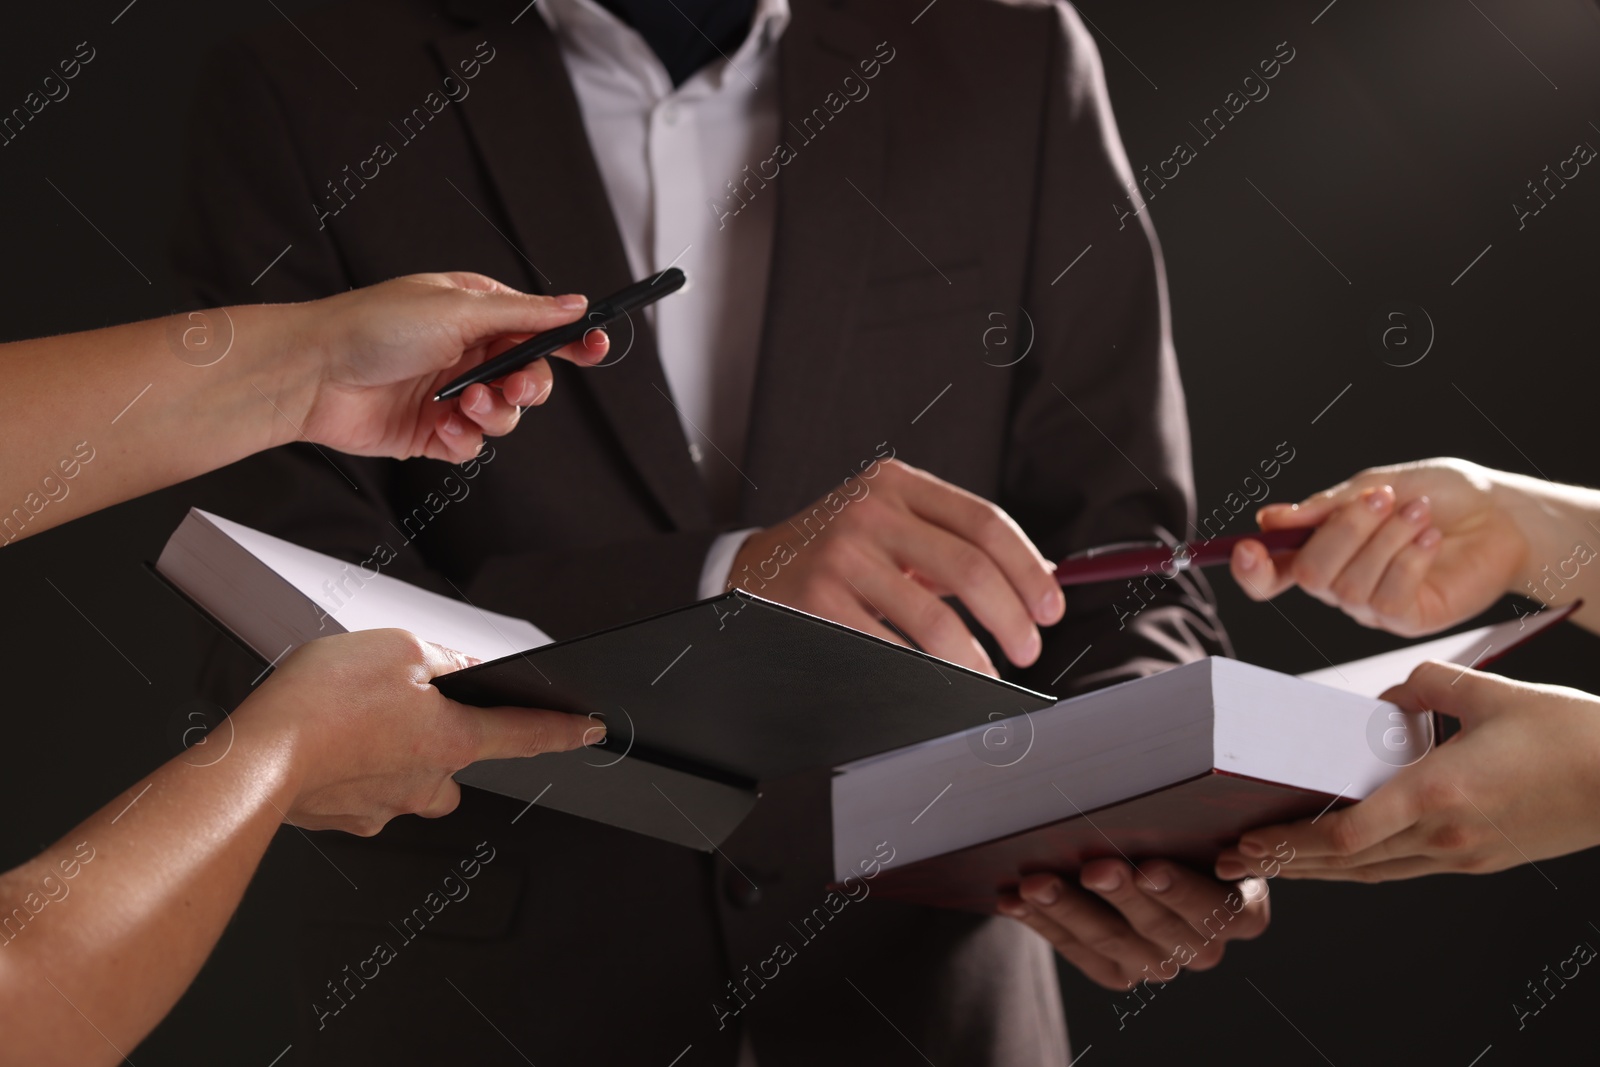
913,224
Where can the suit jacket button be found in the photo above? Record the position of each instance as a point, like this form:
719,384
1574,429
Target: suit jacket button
740,891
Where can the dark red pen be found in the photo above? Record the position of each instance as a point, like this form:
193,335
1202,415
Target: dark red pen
1107,563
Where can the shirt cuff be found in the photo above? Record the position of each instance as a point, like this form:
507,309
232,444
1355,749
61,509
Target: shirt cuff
719,562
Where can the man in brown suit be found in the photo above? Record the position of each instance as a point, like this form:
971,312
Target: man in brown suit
930,260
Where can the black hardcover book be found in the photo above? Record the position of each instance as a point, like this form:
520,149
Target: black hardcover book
701,704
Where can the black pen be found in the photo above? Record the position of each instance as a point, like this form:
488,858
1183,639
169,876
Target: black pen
600,314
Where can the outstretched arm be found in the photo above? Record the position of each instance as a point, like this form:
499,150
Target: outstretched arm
1419,547
102,932
165,400
1519,783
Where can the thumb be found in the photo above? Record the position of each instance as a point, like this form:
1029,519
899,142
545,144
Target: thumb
513,733
488,316
1453,690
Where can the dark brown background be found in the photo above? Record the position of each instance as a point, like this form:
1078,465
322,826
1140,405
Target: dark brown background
1396,140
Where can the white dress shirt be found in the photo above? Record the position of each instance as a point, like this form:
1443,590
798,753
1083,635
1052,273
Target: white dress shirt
671,159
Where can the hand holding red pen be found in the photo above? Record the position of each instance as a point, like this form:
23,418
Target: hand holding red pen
1411,549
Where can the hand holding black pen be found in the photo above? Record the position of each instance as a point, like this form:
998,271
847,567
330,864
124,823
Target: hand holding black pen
601,314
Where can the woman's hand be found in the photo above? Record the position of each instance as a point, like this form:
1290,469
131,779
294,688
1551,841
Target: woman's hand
1519,783
377,355
370,738
1411,549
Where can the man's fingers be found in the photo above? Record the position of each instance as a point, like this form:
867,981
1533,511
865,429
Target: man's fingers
851,613
1215,912
1140,895
1095,967
1090,922
989,528
921,616
970,574
513,733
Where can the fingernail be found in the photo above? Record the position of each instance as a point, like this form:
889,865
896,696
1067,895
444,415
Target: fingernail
1158,879
1104,881
1380,498
1430,537
1013,908
1031,646
1046,894
452,425
1245,556
1052,604
479,404
1417,510
1231,870
1253,849
594,735
572,301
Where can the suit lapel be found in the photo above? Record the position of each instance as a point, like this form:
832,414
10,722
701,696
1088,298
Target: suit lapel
524,118
826,221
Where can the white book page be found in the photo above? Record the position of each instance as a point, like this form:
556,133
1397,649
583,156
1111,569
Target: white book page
1278,729
361,600
1373,675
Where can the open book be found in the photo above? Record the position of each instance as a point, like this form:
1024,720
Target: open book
701,704
1174,765
274,596
969,779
